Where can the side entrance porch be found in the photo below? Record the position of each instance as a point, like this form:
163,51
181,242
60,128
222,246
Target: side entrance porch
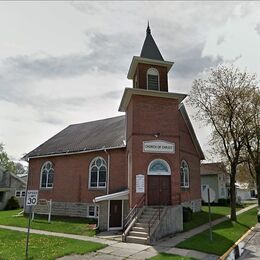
113,209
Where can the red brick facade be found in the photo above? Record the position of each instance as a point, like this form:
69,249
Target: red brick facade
141,76
71,177
148,117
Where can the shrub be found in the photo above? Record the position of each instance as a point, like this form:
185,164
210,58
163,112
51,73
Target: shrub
187,214
223,202
12,203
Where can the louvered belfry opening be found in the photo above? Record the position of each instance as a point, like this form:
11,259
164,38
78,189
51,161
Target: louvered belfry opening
153,82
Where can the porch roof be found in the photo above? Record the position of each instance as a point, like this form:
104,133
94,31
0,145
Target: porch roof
122,195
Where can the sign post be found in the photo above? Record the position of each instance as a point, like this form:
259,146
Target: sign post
210,224
31,200
209,195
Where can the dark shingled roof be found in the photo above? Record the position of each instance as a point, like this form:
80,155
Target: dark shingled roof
95,135
150,49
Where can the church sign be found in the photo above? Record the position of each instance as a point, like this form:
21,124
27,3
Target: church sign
140,183
158,146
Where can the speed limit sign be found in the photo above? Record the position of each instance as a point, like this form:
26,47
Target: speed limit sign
32,198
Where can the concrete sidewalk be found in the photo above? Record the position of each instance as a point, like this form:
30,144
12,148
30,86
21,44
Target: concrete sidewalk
49,233
117,250
251,244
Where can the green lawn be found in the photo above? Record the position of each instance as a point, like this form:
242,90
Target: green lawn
224,234
200,218
12,246
77,226
164,256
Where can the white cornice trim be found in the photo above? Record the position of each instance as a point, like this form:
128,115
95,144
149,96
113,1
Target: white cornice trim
122,195
129,92
71,153
137,59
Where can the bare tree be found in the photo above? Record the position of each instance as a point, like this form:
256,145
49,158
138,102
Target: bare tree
251,124
221,99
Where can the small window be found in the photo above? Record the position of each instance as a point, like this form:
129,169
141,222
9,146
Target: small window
98,173
47,173
20,193
17,193
153,79
2,196
184,170
93,211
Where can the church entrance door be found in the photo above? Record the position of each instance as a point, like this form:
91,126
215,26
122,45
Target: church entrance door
159,190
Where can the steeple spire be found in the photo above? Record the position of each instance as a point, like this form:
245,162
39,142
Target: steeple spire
150,49
148,30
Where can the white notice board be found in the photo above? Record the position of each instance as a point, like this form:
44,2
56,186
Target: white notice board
140,183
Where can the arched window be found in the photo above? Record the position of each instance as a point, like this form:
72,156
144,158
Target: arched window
153,79
159,167
47,173
98,173
185,178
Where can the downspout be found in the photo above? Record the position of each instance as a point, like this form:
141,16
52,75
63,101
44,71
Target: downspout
108,169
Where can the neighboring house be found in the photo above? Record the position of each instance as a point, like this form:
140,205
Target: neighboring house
148,157
23,176
244,192
11,185
214,175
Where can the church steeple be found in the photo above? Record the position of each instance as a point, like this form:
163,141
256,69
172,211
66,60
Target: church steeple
150,49
149,70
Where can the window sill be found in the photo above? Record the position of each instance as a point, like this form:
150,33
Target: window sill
98,188
46,189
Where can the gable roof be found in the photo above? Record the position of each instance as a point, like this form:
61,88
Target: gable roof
212,168
96,135
150,49
102,134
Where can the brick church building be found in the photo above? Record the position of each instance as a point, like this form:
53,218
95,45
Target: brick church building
134,171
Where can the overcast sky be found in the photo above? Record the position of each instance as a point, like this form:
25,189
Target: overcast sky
66,62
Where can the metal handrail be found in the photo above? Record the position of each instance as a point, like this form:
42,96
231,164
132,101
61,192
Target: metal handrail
155,216
133,212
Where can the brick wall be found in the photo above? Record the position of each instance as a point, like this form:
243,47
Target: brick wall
147,116
141,73
190,155
71,178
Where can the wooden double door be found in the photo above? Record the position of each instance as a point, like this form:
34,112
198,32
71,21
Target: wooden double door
159,190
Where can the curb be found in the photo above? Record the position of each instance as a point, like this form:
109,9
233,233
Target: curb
237,249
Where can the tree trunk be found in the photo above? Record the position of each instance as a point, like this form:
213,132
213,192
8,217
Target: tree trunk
233,215
257,175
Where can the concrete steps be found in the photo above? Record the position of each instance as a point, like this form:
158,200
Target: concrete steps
139,233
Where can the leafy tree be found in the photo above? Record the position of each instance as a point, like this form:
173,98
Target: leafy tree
5,161
222,98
